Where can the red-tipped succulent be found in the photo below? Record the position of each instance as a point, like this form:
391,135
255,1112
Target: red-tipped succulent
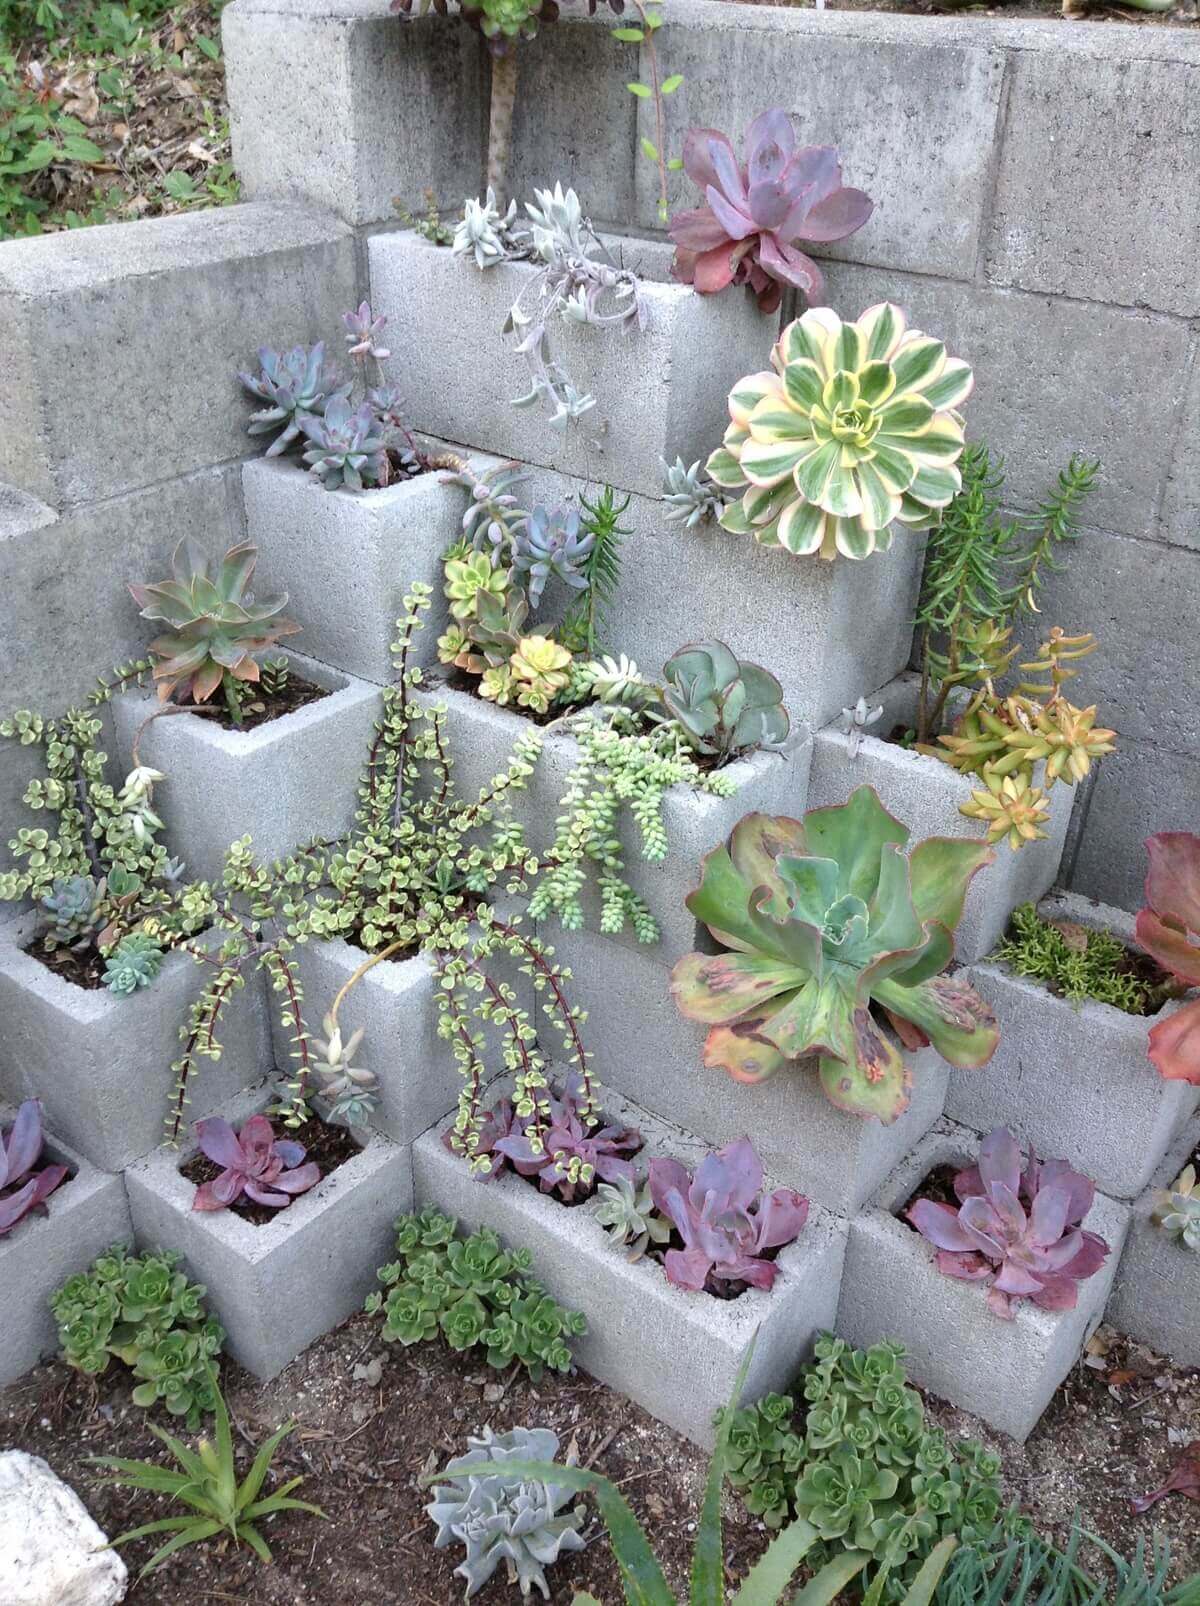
725,1223
21,1188
758,212
267,1169
1168,928
1017,1229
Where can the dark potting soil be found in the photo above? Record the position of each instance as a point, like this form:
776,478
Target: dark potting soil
938,1187
85,969
329,1146
261,709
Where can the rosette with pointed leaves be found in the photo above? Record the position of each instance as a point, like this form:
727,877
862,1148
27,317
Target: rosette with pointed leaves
824,918
1168,928
268,1170
74,910
135,962
294,385
853,430
1177,1209
627,1214
757,212
541,669
217,625
551,542
346,446
484,232
22,1188
1016,1229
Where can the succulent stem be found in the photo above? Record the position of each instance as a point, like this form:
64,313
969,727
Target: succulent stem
504,95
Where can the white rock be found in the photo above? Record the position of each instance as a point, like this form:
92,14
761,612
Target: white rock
51,1552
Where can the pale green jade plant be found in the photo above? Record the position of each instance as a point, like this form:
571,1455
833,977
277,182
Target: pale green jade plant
828,924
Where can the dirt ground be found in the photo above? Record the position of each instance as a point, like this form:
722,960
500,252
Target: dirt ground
373,1417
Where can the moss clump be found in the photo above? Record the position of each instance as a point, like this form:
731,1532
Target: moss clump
1078,963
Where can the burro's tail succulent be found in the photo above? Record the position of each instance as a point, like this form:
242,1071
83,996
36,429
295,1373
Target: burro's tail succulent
830,924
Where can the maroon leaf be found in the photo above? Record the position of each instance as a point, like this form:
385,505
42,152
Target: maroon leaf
1184,1480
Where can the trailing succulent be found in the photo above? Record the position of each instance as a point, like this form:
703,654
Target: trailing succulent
822,922
475,1293
726,1224
1168,928
864,1468
854,429
1016,1228
24,1185
1177,1209
757,212
502,1518
143,1311
268,1170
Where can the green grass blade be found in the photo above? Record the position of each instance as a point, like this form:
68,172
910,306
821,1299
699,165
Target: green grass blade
188,1459
921,1591
191,1535
708,1560
256,1542
142,1474
248,1493
280,1502
772,1572
161,1526
832,1579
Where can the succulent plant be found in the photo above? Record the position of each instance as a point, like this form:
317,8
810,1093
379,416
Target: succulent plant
756,212
1168,928
294,385
1016,1229
217,625
552,543
346,447
496,631
363,329
569,1151
540,670
857,720
853,430
484,232
823,919
1012,808
498,685
348,1092
724,1221
268,1170
509,1520
494,517
688,499
23,1189
628,1215
724,706
615,681
468,577
1177,1209
74,911
135,962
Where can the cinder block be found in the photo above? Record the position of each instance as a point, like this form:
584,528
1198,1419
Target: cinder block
675,1353
349,557
1140,788
100,410
926,794
101,1064
277,1287
1074,1079
863,74
660,390
1091,200
1101,371
84,1216
284,783
1181,508
396,1004
1157,1290
1003,1371
640,1045
377,106
481,737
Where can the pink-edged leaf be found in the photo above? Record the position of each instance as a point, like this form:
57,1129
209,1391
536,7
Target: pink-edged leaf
781,1217
1058,1292
300,1180
666,1177
745,1269
1014,1279
1048,1215
728,181
1174,1045
978,1221
1081,1190
697,155
266,1196
697,230
940,1224
47,1179
970,1268
1174,949
817,169
289,1151
734,1173
968,1183
1091,1255
768,204
220,1143
790,265
16,1205
999,1304
1000,1160
687,1268
743,1050
770,142
1006,1208
1173,879
840,214
22,1142
737,223
713,270
218,1194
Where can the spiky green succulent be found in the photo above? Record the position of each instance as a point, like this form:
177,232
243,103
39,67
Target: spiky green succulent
853,430
135,962
1177,1209
628,1215
824,921
724,706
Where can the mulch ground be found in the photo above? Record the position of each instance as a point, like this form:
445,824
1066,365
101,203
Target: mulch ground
372,1418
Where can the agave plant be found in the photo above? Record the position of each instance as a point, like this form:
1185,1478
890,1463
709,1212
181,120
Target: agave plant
346,446
1177,1209
217,625
268,1170
825,918
757,212
295,386
853,430
725,1223
1168,928
552,543
724,706
1016,1229
23,1189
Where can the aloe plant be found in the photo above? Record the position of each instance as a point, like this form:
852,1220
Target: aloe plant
825,921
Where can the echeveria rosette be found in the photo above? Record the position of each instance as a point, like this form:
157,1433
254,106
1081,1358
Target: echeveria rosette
755,213
854,429
824,918
23,1189
1017,1229
270,1171
1168,928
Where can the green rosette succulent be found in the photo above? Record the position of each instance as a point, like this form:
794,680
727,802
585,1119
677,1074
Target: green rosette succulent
825,918
852,431
839,1495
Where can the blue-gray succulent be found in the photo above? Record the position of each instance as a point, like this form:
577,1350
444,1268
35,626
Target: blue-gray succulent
552,543
295,385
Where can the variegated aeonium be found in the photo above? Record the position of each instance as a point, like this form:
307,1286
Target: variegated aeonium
825,918
852,429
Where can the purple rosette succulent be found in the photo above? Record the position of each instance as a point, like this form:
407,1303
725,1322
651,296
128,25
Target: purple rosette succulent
268,1170
1017,1229
757,213
570,1156
726,1224
21,1188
